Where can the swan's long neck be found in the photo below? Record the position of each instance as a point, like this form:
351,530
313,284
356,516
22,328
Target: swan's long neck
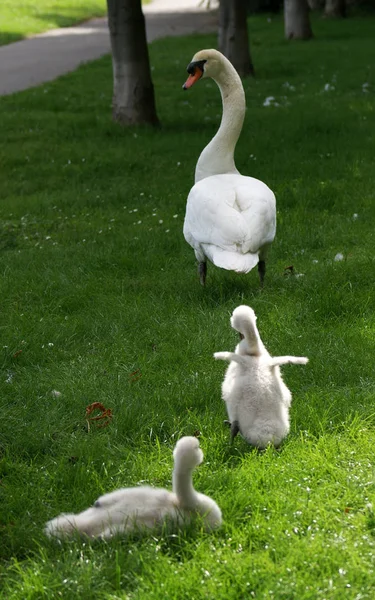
218,155
183,487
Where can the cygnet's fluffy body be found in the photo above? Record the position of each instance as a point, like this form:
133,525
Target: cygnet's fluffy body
255,394
129,509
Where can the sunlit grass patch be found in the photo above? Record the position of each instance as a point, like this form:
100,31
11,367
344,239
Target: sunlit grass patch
100,302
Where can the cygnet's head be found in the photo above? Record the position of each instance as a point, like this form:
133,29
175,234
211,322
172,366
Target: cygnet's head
205,63
240,316
243,320
187,453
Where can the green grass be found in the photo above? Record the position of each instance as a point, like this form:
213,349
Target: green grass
97,281
22,19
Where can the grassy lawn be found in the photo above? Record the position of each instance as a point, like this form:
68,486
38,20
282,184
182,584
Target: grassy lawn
20,19
97,282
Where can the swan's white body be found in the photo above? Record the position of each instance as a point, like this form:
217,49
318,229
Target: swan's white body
255,394
129,509
230,219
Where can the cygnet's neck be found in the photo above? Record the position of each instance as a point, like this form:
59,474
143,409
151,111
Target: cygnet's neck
218,156
183,487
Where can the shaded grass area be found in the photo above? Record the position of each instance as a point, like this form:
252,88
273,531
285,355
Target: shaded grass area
100,301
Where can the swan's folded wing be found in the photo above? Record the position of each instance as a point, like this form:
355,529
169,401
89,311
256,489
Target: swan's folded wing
260,226
212,216
234,212
258,209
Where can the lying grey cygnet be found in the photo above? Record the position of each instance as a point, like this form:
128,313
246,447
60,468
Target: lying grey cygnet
255,394
129,509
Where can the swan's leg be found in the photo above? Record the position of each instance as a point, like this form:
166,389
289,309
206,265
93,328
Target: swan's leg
262,271
234,429
202,270
228,423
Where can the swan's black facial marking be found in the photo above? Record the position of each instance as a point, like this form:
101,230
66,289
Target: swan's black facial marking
195,70
242,337
195,64
97,504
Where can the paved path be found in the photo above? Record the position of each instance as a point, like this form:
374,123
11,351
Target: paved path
44,57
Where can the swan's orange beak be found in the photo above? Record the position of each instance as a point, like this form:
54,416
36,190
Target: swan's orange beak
193,78
195,70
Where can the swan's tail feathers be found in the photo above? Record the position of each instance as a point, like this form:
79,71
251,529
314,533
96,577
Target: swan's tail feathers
232,261
277,361
243,320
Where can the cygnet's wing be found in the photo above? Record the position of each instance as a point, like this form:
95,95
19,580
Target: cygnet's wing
277,361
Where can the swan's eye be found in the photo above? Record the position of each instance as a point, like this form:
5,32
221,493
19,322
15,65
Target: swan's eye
195,70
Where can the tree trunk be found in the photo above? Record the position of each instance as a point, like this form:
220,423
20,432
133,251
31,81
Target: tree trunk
233,37
315,4
133,91
297,22
335,8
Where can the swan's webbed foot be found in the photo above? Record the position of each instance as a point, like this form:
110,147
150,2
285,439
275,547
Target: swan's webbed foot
261,271
202,270
234,429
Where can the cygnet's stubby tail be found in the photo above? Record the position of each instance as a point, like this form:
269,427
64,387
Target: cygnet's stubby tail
243,320
69,524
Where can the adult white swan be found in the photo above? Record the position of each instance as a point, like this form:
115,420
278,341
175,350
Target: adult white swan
230,219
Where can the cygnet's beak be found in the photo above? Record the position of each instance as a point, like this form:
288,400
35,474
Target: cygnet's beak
195,70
